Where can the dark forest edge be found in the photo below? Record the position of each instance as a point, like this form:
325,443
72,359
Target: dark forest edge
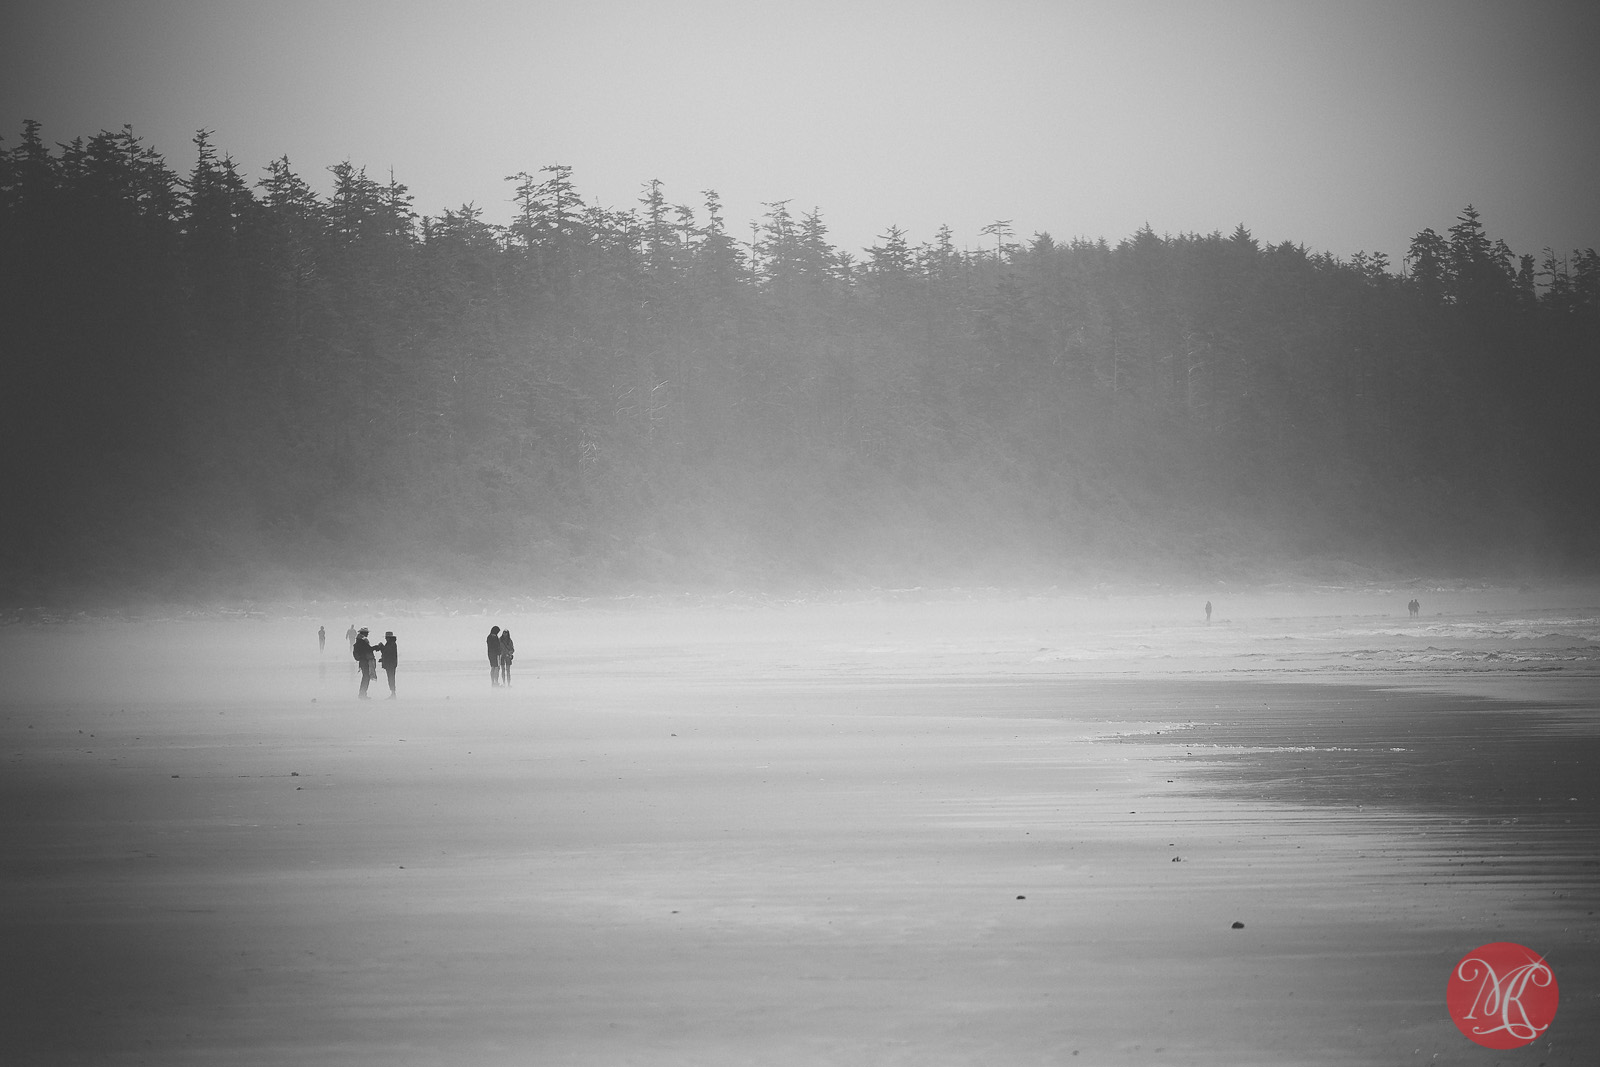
218,387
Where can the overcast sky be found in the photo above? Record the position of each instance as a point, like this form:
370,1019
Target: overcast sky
1341,125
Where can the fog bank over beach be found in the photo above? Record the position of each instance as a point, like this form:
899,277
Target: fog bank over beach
912,826
874,565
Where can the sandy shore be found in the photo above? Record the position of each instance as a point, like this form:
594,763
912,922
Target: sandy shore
619,863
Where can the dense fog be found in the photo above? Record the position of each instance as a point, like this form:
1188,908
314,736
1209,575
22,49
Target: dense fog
222,384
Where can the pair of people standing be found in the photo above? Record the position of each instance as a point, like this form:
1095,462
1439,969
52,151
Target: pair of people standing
500,650
366,657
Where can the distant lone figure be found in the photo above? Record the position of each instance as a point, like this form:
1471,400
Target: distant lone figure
390,652
507,650
362,651
1208,611
350,637
322,639
494,656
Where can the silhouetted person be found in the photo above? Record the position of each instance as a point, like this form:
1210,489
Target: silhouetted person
322,639
350,637
494,655
391,658
1415,607
507,650
1208,611
362,651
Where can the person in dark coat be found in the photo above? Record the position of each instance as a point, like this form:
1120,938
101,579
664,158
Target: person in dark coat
390,652
507,650
494,656
362,651
322,638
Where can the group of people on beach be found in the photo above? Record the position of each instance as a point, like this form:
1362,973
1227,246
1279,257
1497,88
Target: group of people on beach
369,657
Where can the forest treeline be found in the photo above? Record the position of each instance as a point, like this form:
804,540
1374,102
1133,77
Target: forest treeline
216,379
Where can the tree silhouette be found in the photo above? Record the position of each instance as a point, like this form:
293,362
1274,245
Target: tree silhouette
208,379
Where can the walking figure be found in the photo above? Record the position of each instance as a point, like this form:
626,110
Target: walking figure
1415,607
362,651
1208,611
507,650
350,637
493,643
390,651
322,639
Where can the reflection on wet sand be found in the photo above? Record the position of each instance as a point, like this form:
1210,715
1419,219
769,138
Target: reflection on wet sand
793,839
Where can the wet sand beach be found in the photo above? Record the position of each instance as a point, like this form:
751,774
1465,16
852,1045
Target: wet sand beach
793,841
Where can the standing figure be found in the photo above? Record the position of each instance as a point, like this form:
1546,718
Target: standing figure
391,658
1208,611
322,639
350,637
507,650
494,656
362,651
1415,606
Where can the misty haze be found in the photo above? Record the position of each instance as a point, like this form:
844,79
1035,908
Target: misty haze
571,629
222,387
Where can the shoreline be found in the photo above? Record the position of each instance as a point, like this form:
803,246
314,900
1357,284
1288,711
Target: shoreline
766,859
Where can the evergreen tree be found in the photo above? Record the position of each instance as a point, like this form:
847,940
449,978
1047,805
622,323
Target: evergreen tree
591,394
